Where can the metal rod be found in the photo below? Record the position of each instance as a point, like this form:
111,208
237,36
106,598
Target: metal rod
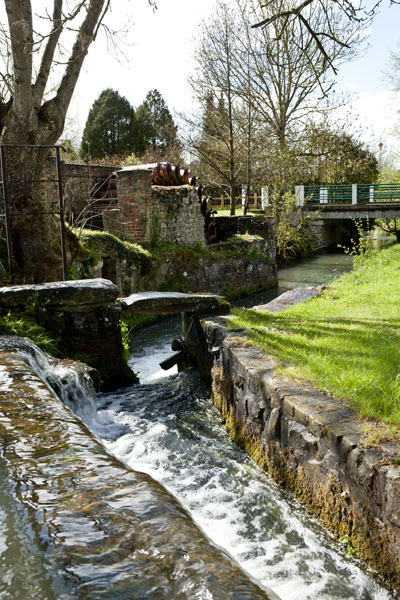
6,210
32,146
61,206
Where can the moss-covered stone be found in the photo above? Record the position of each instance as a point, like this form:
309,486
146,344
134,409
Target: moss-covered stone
309,444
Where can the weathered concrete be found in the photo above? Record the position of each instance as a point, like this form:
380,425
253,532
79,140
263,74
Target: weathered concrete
372,210
84,316
310,443
290,298
326,233
165,303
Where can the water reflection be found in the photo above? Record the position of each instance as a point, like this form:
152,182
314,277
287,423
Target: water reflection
309,272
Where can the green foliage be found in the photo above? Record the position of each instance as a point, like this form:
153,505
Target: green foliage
291,239
155,126
347,543
110,127
69,154
359,244
389,175
292,242
347,341
129,251
341,158
125,339
26,326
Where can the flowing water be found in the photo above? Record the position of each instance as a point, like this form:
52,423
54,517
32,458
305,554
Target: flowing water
167,427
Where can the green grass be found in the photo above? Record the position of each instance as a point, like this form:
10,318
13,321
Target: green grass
225,212
347,342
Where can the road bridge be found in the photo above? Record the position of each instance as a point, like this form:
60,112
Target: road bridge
326,207
349,201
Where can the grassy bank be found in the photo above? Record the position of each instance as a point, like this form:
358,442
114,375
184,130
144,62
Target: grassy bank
347,342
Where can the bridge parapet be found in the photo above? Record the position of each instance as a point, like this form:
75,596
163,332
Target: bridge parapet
347,193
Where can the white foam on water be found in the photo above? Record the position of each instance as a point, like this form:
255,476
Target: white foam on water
232,500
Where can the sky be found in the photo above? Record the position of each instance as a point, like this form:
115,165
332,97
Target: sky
158,51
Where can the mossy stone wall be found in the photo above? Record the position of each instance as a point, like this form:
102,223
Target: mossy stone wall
311,444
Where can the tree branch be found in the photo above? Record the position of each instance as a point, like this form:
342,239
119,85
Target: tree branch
58,105
48,54
19,15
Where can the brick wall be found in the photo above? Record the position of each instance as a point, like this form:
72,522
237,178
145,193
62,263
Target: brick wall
134,200
156,213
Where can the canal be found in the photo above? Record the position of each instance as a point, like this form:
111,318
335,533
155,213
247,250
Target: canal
167,427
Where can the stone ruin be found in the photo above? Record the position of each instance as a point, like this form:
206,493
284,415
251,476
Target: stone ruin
145,203
156,203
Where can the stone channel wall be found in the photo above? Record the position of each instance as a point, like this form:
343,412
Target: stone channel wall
311,444
241,266
83,316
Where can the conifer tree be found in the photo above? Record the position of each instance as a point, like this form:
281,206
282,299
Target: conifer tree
156,129
110,127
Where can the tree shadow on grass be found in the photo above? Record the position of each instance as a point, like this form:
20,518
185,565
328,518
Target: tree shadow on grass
358,359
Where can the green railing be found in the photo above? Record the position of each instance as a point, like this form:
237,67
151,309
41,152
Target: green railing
347,194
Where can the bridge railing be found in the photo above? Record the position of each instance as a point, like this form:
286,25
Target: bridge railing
347,193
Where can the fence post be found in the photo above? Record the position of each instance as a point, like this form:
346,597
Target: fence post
264,197
222,202
299,192
61,209
371,193
6,209
354,193
255,199
323,195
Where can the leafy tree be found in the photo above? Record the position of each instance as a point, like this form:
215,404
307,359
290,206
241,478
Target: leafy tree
335,156
156,129
110,127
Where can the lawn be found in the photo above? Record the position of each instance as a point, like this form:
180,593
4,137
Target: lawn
347,342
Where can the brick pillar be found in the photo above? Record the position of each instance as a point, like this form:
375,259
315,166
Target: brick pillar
134,199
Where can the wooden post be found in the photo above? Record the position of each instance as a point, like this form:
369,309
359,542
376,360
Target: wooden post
195,345
222,202
255,199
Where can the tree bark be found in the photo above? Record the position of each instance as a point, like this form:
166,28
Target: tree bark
30,121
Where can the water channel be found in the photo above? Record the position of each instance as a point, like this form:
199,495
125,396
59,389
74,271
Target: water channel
167,427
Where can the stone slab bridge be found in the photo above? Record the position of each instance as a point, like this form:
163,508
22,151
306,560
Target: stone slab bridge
325,207
84,316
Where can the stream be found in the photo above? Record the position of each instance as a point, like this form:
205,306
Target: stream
167,427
